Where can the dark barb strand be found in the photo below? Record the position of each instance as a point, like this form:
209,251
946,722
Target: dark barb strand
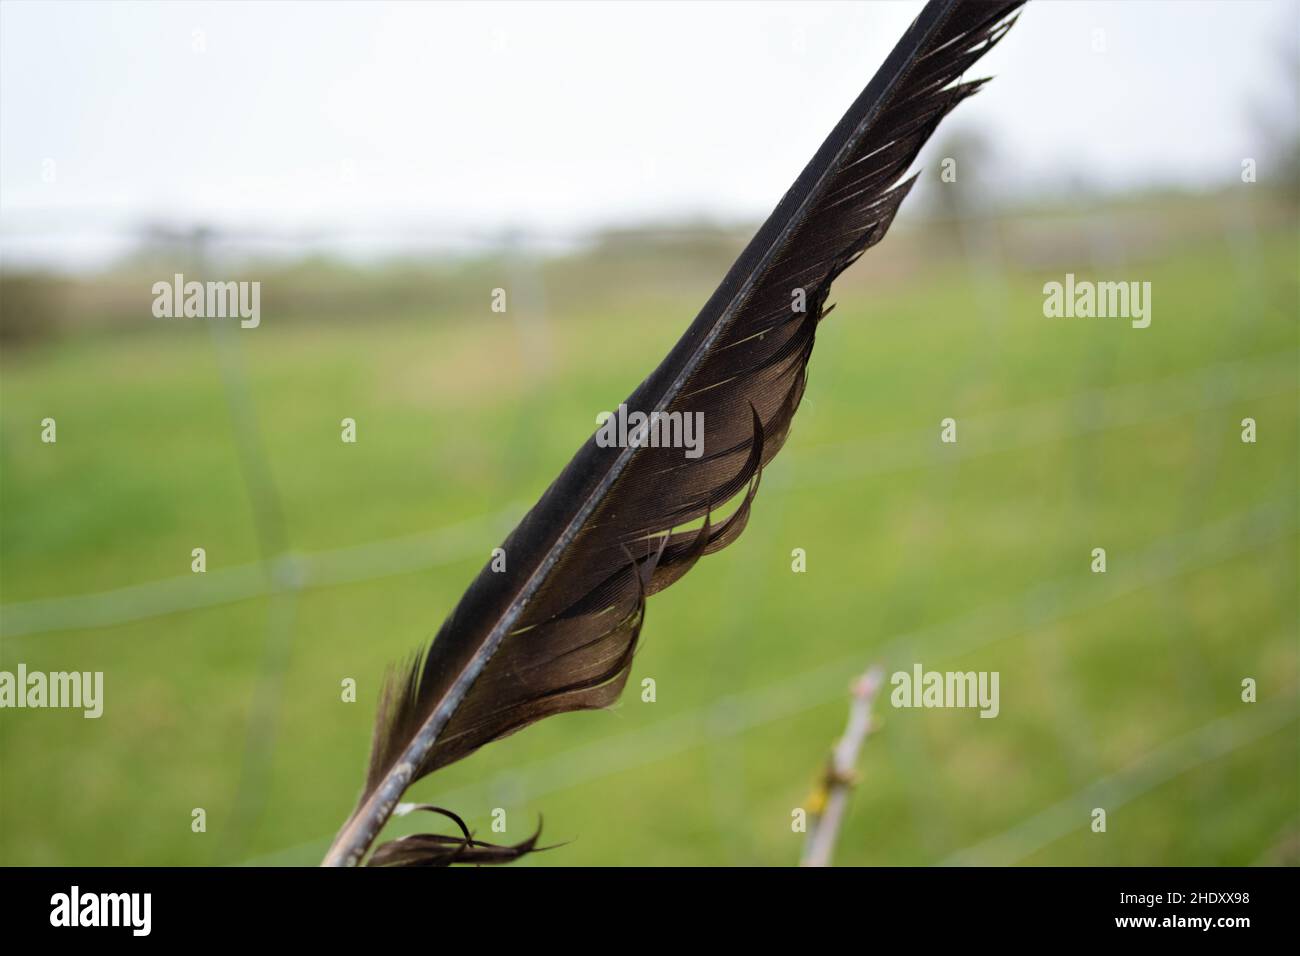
556,631
436,849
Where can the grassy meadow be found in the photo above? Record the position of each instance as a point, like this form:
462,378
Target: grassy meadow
328,560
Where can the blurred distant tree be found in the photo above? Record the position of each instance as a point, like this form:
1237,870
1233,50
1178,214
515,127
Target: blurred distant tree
959,188
961,183
32,307
1277,123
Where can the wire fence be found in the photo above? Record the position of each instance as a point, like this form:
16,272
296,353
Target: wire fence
282,573
734,714
1016,429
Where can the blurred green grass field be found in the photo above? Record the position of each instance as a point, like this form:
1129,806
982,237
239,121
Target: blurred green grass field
1119,690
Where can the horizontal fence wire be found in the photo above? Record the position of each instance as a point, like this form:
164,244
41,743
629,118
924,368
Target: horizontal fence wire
1117,407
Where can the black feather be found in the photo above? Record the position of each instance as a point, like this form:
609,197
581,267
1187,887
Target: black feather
557,630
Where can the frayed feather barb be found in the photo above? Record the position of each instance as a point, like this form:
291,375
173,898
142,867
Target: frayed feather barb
437,849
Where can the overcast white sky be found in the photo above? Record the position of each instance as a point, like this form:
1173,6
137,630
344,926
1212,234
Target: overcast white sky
556,117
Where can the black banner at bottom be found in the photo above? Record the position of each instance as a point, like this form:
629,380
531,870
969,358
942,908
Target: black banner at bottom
328,906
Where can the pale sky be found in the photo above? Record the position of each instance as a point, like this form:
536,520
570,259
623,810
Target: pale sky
560,117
